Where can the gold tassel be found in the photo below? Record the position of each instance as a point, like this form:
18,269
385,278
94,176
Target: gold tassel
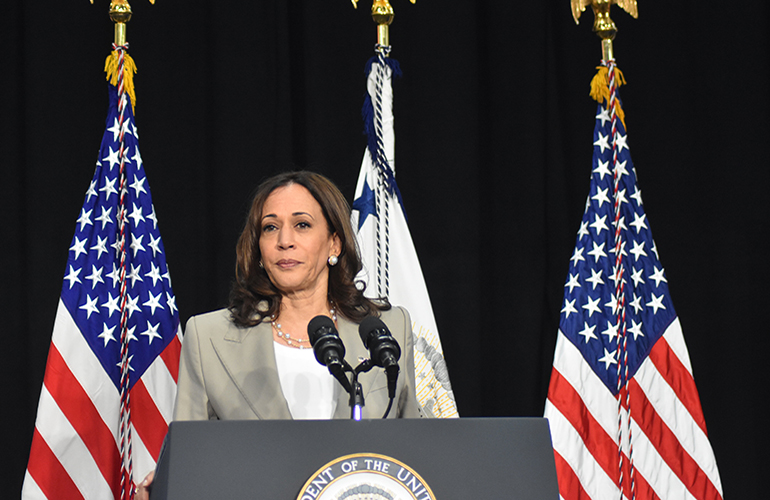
129,68
600,89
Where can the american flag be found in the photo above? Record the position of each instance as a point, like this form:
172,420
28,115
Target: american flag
665,450
75,450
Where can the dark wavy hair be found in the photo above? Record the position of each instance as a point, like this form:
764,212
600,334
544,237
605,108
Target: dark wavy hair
254,297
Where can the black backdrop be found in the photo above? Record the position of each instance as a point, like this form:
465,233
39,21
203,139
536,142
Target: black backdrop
493,126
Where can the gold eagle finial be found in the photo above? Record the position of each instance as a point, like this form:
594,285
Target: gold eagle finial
120,13
382,14
355,2
603,25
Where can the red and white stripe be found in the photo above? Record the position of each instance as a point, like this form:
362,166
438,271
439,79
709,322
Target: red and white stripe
75,451
672,454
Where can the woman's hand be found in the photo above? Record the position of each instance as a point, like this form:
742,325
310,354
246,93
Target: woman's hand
143,490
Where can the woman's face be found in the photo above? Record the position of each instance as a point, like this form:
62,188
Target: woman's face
295,242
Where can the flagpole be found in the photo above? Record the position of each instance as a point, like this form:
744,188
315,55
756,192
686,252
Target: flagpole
609,81
120,14
386,234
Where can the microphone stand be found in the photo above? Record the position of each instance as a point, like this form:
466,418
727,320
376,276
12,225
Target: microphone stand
357,394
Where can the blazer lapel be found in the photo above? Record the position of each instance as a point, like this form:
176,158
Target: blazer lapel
248,356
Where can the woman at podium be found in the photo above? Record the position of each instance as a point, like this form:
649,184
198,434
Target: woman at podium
297,259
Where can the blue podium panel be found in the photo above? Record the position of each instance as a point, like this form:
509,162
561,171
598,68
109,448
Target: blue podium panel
467,458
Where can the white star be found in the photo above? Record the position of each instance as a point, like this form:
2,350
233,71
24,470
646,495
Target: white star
611,332
138,185
602,169
658,276
154,273
117,245
613,304
618,273
583,231
620,169
131,304
573,281
608,359
151,332
85,218
90,306
115,129
153,218
638,251
95,276
171,303
636,329
620,222
136,131
636,304
592,306
587,332
105,217
597,252
601,196
656,303
637,195
155,245
604,115
153,302
137,158
621,197
113,158
130,368
599,224
91,191
136,243
638,223
596,278
167,276
602,142
106,335
130,336
79,247
111,304
109,187
577,256
620,142
569,307
655,250
100,247
73,276
636,275
114,275
136,214
134,274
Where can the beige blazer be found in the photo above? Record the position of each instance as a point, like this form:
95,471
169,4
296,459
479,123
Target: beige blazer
229,373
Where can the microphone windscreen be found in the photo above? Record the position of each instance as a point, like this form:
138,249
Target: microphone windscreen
318,326
369,325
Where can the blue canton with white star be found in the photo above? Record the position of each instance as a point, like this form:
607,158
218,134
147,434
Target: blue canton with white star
588,315
91,289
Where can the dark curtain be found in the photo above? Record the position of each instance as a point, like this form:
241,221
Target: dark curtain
493,127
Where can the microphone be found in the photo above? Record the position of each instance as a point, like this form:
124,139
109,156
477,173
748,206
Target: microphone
328,347
383,349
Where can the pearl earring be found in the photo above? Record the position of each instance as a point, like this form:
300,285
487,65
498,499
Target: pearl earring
333,260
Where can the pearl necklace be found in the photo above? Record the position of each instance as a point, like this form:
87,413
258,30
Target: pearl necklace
296,342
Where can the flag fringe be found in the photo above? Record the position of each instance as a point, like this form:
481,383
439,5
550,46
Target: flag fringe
600,90
129,68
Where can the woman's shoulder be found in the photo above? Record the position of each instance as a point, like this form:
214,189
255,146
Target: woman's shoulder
395,315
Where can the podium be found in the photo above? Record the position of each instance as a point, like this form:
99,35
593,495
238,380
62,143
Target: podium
464,458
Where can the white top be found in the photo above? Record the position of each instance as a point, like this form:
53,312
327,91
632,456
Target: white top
310,390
